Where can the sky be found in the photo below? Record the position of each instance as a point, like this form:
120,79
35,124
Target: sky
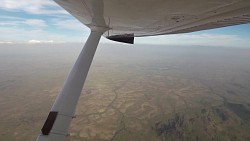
43,21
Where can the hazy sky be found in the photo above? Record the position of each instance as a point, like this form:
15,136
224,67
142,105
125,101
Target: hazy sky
34,21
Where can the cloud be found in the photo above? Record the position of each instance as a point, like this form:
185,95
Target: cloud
6,17
5,42
32,6
72,24
35,22
9,23
206,37
58,25
22,35
197,39
39,41
19,22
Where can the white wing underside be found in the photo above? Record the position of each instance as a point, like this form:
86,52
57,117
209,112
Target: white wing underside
157,17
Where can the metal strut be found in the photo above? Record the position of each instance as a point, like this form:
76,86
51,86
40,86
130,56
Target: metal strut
56,127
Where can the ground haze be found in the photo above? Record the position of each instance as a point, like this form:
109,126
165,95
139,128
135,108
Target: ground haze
132,93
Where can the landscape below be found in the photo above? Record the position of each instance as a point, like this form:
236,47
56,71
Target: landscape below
132,93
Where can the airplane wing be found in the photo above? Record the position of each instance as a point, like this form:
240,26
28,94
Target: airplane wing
126,19
122,20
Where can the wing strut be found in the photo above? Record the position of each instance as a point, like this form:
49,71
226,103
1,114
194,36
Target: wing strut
57,124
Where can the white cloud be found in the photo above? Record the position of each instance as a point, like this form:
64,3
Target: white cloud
39,30
40,41
10,17
20,35
35,22
29,22
72,24
5,42
197,39
206,37
9,23
34,41
33,6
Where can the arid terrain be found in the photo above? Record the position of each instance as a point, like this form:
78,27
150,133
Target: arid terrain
132,93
